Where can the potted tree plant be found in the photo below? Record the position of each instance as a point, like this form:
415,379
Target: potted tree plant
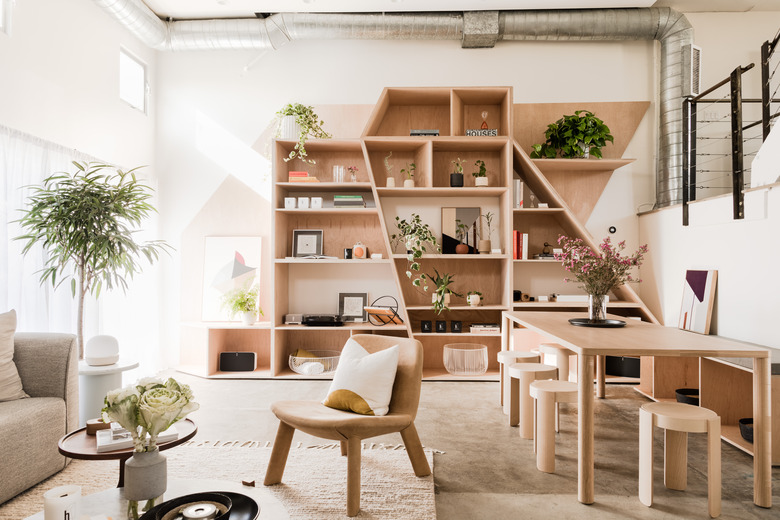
462,234
574,136
480,176
418,238
86,222
456,177
244,302
409,172
484,245
299,122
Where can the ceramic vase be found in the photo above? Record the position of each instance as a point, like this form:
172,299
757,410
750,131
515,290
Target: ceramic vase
146,475
481,182
456,180
462,249
597,307
248,318
289,129
483,246
409,183
390,182
474,300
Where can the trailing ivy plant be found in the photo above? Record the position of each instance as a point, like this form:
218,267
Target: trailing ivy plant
418,239
86,222
311,127
572,135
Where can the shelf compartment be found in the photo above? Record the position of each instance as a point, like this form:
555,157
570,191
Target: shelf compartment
541,227
495,152
402,109
202,343
341,227
405,151
469,103
433,351
326,153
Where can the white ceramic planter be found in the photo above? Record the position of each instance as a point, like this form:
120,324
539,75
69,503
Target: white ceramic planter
409,183
481,182
289,129
474,300
248,318
390,182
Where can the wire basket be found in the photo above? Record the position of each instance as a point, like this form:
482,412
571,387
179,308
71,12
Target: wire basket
465,359
318,363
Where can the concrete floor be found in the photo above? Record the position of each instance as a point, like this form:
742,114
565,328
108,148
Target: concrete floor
487,470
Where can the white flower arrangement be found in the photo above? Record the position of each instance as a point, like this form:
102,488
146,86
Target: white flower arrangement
147,408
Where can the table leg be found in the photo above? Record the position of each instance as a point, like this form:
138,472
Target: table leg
762,433
121,482
601,376
585,434
506,327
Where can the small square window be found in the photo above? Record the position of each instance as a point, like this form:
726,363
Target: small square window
132,81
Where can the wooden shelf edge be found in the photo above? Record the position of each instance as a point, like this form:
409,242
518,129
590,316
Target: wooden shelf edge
580,165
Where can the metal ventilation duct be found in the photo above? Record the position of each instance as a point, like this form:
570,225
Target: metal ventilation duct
669,27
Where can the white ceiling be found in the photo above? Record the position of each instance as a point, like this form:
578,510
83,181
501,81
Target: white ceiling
195,9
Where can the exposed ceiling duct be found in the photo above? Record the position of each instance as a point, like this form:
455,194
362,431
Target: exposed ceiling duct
473,29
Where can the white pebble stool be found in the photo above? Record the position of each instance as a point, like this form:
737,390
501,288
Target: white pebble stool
548,394
561,354
521,406
506,358
678,420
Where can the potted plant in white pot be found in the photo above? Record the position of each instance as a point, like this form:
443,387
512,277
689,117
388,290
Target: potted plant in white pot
409,172
474,298
86,222
389,171
418,238
299,122
456,177
244,302
480,176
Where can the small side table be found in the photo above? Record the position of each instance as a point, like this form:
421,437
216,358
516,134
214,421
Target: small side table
78,445
95,383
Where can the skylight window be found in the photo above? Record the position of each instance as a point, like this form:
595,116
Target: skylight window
132,81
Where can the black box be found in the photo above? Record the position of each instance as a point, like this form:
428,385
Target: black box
426,326
441,326
456,326
622,366
237,361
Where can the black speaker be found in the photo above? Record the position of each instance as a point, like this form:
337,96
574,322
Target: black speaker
237,361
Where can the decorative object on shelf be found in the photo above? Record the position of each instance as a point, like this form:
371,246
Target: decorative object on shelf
456,327
599,273
348,200
379,314
480,176
484,245
347,253
229,263
697,301
313,362
289,202
426,326
390,182
62,502
456,177
303,202
316,203
352,307
243,301
441,296
300,177
431,132
546,254
453,234
746,429
237,361
465,359
483,130
474,298
309,126
359,251
409,172
462,231
322,320
101,350
146,409
441,326
353,173
307,243
338,173
573,136
417,237
389,171
86,223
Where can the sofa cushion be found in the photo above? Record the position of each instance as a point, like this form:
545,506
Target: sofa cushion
10,383
30,429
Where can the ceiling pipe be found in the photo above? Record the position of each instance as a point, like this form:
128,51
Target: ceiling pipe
473,29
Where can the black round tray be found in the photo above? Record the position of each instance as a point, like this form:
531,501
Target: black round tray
585,322
243,508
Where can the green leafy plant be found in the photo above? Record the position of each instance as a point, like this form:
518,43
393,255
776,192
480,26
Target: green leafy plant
418,238
458,165
572,135
461,231
241,300
442,282
310,125
86,222
482,170
489,224
474,292
409,170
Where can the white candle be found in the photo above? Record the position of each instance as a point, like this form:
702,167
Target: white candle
62,503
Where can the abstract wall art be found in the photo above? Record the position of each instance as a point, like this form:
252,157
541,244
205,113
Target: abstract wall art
228,263
697,301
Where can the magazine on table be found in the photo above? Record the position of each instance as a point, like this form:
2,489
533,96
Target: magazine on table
117,438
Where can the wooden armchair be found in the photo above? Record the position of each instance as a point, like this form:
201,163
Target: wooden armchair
351,428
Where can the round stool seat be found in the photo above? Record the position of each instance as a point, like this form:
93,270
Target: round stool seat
680,417
563,391
541,370
509,356
554,348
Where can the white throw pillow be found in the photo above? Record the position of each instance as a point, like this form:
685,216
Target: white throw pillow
10,384
363,382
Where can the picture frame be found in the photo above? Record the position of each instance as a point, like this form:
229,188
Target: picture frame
450,219
426,326
697,300
352,307
307,243
229,262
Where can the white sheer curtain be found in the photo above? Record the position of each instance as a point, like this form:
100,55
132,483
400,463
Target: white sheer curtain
133,317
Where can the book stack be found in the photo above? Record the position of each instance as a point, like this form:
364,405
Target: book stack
348,201
483,328
117,438
519,245
300,177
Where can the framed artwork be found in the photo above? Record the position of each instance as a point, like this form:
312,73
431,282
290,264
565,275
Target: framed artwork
352,306
457,222
307,243
228,263
698,298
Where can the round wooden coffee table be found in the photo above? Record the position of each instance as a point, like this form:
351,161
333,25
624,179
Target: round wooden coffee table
78,445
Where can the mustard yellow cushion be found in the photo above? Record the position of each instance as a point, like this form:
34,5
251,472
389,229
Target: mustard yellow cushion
363,382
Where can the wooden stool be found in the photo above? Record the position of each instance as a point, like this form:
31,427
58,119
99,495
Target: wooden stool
521,406
548,394
678,420
561,354
508,357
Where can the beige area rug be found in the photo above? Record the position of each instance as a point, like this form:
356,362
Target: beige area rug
314,484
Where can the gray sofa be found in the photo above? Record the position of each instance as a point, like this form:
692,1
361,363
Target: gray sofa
30,428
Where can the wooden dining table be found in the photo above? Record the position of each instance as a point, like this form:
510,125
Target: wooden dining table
638,338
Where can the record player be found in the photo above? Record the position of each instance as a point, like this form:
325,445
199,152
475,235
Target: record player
322,320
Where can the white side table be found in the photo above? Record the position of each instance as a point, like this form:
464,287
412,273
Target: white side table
95,383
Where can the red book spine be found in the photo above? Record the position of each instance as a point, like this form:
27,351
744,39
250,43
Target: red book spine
514,244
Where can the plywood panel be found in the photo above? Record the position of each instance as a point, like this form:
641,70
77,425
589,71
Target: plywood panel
671,373
338,233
